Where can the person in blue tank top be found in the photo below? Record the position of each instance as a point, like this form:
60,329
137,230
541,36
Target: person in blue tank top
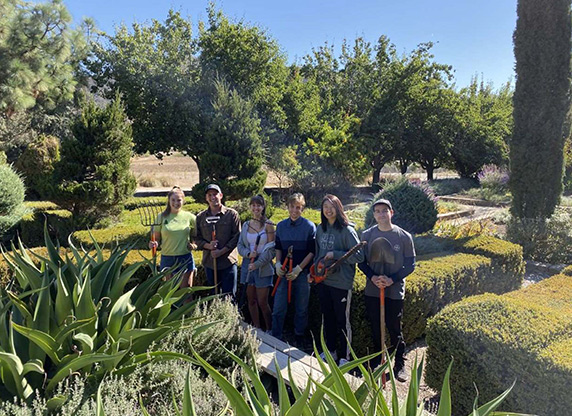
256,246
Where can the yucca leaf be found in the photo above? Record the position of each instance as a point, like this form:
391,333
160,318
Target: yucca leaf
63,305
21,305
86,341
154,356
99,411
489,407
143,410
118,286
283,398
188,405
445,400
42,314
413,391
12,370
82,361
300,406
34,365
236,400
42,340
252,373
257,408
55,402
119,311
341,405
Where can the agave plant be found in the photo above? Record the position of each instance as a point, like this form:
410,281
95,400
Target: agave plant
332,396
71,313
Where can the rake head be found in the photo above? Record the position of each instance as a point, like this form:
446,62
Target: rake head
149,213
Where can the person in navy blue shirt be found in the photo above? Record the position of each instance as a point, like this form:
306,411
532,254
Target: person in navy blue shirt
299,233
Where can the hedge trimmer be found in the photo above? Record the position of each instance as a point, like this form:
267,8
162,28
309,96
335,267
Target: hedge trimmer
322,268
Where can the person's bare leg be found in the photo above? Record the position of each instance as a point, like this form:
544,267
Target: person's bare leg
262,295
253,305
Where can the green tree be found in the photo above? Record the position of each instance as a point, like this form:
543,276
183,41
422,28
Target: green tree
233,146
541,101
40,55
93,177
248,59
483,128
155,68
411,118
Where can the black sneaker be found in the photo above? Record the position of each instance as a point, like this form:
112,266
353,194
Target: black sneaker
400,373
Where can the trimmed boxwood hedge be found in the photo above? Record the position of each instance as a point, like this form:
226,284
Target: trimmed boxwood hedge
525,335
508,264
120,234
31,227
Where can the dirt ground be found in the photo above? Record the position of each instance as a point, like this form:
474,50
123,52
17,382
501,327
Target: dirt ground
176,169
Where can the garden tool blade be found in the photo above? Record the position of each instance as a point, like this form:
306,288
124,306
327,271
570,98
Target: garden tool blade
381,251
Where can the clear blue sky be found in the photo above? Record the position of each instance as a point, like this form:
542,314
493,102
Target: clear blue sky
475,37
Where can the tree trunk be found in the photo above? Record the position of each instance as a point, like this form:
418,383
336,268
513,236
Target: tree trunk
403,165
377,166
430,169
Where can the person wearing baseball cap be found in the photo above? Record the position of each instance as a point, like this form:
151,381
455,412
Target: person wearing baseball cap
389,259
224,224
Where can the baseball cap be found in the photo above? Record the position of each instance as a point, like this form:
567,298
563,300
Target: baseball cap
213,186
384,202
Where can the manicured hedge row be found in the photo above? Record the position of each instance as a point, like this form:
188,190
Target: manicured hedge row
525,335
31,227
438,282
507,271
120,234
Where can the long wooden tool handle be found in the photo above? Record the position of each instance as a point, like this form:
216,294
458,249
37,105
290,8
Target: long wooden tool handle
382,329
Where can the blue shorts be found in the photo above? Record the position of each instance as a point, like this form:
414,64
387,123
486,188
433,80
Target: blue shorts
253,278
185,262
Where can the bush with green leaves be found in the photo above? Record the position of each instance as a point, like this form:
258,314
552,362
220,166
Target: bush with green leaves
450,186
93,179
414,206
12,193
31,227
36,164
73,314
545,240
524,335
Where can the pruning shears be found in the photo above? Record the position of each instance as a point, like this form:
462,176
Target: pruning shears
287,263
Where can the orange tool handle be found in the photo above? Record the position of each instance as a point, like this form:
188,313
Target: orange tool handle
276,285
382,324
290,283
153,249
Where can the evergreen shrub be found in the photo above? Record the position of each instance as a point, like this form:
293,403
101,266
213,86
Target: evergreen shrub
93,177
546,240
36,164
524,335
414,206
12,192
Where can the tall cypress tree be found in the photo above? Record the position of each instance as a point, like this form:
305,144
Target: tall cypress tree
541,100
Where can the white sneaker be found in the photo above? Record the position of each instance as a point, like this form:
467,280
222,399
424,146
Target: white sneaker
342,362
333,354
